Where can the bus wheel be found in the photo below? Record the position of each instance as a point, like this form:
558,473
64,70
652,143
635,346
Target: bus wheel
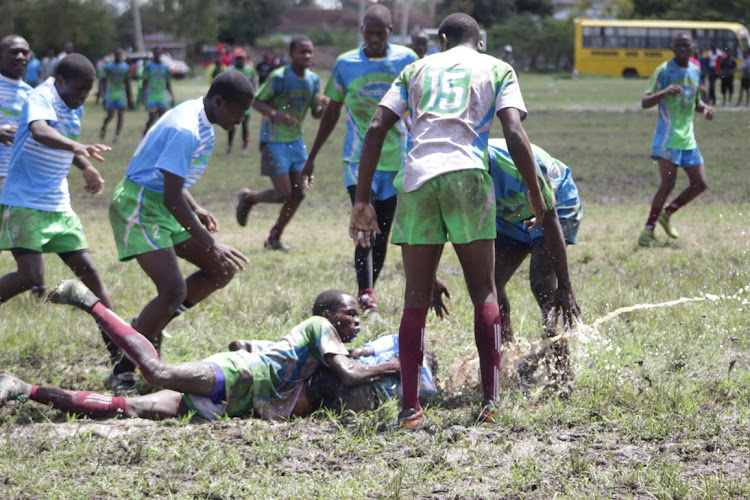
630,73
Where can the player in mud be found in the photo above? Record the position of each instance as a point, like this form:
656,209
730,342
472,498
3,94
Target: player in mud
548,271
268,385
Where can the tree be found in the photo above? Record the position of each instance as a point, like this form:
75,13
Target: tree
243,21
48,24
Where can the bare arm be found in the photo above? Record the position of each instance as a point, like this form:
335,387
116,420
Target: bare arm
178,202
352,372
363,219
207,218
46,135
564,300
520,151
317,110
169,89
651,100
268,111
327,124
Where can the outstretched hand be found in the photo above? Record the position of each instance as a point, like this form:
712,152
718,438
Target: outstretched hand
230,258
90,150
208,220
438,303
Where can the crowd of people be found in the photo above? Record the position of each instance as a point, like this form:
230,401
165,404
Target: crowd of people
417,160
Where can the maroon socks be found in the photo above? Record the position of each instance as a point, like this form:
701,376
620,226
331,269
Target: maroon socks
411,352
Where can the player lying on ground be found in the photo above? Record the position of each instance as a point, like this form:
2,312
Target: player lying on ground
325,390
548,272
269,385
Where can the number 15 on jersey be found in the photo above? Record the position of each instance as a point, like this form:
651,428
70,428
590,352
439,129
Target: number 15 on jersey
445,90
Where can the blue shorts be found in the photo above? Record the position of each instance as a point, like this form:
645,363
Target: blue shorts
152,106
382,185
114,104
382,181
281,158
680,157
514,235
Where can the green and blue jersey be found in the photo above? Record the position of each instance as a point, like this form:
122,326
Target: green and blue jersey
285,92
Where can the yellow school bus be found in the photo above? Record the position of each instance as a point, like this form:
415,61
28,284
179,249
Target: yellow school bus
635,48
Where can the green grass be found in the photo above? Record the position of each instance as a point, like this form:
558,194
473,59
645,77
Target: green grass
660,406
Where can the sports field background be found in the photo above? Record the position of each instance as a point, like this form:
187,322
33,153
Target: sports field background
660,407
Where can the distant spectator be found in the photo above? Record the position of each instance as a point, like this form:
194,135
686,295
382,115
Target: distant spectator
420,42
264,68
33,70
744,78
727,66
713,72
67,49
48,64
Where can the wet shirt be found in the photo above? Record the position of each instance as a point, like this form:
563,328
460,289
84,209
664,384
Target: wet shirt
280,370
674,129
285,92
362,82
37,174
156,74
452,97
13,93
555,181
116,73
180,143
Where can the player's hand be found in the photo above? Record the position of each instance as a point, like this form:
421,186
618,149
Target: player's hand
307,173
285,118
566,306
7,134
537,208
673,90
207,219
240,345
438,304
708,112
94,182
362,351
362,223
90,150
230,258
322,103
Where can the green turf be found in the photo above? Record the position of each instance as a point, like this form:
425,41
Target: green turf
660,404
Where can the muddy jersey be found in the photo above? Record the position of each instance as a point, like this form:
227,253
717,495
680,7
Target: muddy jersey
13,93
452,97
180,143
555,181
37,174
362,82
674,130
285,92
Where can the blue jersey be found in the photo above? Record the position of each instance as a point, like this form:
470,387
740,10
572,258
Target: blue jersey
555,181
116,75
33,71
13,93
180,143
362,82
37,175
285,92
674,130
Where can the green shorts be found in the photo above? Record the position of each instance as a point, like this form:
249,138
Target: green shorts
249,384
41,231
140,221
457,207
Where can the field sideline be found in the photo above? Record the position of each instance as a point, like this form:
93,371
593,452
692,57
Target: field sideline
660,406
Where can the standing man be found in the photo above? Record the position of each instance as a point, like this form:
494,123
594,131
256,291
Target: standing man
714,56
33,74
675,87
445,190
115,84
420,43
361,77
240,64
156,84
14,53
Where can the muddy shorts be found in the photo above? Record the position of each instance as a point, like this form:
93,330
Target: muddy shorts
140,221
457,207
40,231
